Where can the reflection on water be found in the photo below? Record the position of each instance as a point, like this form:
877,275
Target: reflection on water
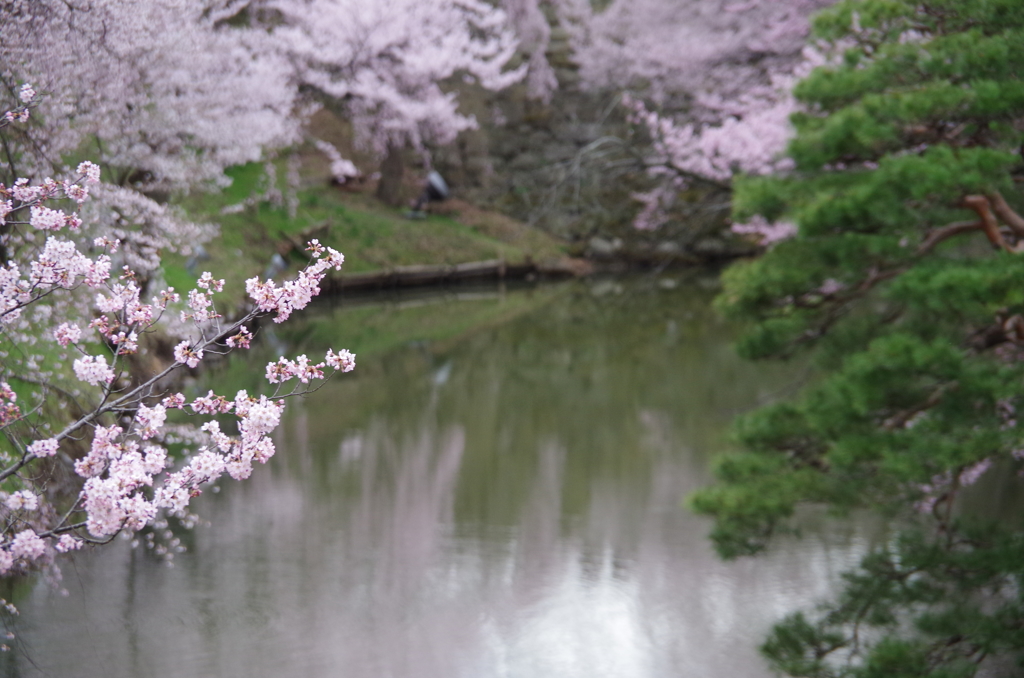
496,492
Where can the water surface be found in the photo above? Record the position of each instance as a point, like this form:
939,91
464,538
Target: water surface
496,492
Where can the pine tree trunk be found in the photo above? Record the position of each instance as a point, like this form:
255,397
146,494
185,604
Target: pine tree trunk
389,189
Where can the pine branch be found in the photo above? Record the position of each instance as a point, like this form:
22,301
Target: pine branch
1006,213
981,205
946,232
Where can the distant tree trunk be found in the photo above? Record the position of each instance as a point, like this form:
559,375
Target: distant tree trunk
389,189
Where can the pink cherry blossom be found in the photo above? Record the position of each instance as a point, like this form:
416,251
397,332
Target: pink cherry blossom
261,418
342,360
44,448
207,282
240,340
175,401
94,370
150,420
8,410
67,543
22,500
27,546
211,404
185,353
90,171
46,219
67,333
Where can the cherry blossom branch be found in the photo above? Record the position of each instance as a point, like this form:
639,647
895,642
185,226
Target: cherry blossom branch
121,491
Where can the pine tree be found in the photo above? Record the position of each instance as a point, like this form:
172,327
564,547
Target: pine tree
905,282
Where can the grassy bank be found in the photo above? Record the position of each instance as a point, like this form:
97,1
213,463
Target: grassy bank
254,226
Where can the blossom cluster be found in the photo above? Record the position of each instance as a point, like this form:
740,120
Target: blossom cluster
305,371
294,295
60,265
9,411
119,469
26,99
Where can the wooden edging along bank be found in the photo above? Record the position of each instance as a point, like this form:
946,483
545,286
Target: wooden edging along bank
497,269
416,276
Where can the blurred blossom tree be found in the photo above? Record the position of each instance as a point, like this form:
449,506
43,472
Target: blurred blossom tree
385,63
164,95
709,81
716,49
902,275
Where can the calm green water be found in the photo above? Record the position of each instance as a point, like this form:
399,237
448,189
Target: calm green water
495,492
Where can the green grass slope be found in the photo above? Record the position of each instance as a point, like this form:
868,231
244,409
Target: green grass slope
371,235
